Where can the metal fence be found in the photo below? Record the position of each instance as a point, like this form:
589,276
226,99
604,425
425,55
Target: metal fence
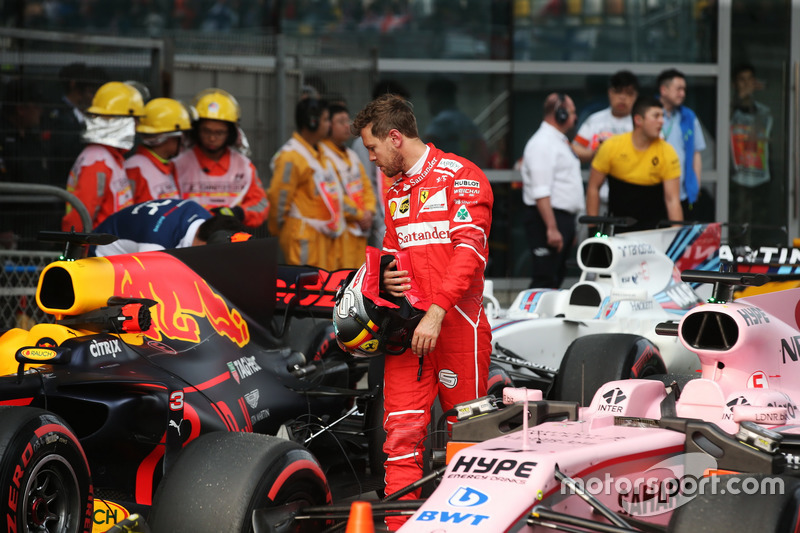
266,74
18,279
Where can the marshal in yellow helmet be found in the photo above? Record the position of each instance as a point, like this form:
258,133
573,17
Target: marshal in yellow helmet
217,104
117,99
164,115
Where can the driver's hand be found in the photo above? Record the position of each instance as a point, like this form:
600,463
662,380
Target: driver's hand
427,332
396,282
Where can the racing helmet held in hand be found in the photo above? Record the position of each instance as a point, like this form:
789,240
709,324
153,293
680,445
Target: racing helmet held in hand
366,324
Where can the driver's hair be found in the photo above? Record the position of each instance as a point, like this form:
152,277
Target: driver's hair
385,113
219,223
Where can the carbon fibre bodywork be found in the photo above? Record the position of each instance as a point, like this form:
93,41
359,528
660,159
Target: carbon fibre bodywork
214,358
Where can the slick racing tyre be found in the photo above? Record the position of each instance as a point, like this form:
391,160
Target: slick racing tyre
767,508
498,380
220,479
593,360
46,485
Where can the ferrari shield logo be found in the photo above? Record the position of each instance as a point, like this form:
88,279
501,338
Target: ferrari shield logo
370,346
423,195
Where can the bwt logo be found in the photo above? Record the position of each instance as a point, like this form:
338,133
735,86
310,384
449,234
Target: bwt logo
467,497
467,519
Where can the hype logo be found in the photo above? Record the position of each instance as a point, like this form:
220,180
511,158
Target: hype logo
467,497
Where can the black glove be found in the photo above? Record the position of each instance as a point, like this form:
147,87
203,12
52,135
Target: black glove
235,211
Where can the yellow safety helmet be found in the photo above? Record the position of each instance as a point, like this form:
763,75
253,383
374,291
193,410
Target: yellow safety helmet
116,98
164,115
216,104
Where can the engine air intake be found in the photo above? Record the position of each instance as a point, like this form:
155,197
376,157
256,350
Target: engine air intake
710,331
596,255
585,295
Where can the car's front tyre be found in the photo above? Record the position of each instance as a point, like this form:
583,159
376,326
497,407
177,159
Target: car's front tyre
593,360
220,479
46,484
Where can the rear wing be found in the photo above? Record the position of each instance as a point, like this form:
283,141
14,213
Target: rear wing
315,287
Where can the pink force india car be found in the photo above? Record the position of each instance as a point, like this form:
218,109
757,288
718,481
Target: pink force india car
628,284
718,454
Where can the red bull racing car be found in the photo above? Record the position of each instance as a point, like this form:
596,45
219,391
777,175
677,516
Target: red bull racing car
157,355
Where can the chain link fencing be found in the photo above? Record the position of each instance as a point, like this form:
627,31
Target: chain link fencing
18,279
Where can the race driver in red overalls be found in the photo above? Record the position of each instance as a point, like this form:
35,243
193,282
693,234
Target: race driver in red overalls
439,211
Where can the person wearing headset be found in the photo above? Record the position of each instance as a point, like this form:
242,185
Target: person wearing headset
552,190
213,173
306,196
150,170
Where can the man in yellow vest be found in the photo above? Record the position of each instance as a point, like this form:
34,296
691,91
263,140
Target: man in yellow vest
305,193
359,204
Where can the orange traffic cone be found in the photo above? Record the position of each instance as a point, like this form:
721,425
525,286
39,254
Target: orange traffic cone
360,520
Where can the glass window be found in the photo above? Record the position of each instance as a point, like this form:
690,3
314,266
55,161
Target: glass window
760,38
615,30
463,113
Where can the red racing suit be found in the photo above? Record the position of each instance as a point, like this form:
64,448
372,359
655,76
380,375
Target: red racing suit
441,218
151,177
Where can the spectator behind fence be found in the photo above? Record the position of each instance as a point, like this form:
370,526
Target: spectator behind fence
552,190
751,132
24,151
307,198
359,198
150,170
682,130
24,147
66,119
98,177
163,224
380,182
214,174
451,129
623,89
643,171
